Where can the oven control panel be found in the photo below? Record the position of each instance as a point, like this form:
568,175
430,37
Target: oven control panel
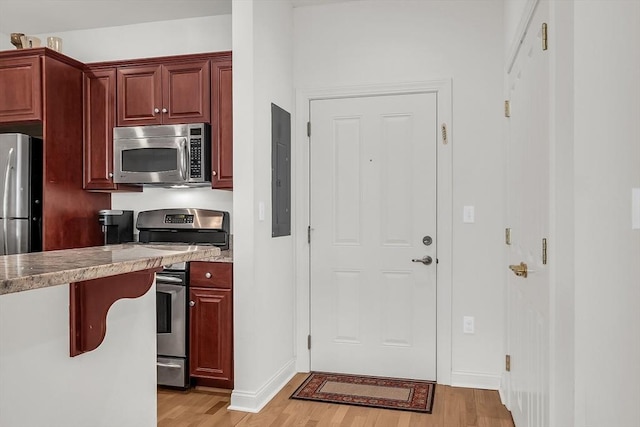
178,219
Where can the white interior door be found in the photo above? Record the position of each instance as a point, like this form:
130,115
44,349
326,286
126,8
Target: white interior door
528,214
373,201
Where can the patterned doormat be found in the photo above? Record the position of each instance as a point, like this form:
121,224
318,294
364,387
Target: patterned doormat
374,392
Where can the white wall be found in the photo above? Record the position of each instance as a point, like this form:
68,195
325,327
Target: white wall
5,42
40,385
161,38
562,233
607,250
263,266
378,42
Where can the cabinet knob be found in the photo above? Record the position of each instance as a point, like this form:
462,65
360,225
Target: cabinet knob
164,110
207,275
192,303
110,174
156,110
214,173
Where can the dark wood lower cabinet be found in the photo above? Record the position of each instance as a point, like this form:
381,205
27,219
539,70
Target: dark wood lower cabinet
211,337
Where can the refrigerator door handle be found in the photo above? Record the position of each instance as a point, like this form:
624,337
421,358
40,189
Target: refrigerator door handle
5,199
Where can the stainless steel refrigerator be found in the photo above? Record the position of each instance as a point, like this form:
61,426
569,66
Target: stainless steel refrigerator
20,194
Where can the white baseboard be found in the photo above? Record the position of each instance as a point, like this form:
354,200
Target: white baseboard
503,397
504,389
254,401
475,380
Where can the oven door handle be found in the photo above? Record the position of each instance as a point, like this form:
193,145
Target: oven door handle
168,365
168,279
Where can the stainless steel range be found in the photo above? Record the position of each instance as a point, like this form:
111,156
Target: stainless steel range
176,226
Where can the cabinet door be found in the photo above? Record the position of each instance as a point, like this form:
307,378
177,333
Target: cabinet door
211,335
221,125
139,95
20,89
99,118
186,89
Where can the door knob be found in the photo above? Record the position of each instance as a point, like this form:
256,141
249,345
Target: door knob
426,260
520,270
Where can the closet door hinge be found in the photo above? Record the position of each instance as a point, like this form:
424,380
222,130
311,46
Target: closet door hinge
507,108
507,236
309,234
309,129
309,342
544,251
507,363
545,41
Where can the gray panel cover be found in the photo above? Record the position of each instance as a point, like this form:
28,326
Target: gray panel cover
280,172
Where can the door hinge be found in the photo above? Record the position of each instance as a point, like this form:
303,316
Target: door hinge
544,251
309,234
545,41
507,108
309,342
507,236
309,129
507,363
444,134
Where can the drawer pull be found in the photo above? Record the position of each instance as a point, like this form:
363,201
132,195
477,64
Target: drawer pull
207,275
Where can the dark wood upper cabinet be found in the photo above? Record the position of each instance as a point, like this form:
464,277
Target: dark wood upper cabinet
186,93
99,91
163,94
211,325
45,100
221,124
20,89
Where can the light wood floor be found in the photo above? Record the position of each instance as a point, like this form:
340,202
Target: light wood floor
453,407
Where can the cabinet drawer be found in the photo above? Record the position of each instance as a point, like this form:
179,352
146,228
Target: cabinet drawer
211,274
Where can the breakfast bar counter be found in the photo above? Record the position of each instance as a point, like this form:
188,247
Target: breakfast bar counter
78,334
37,270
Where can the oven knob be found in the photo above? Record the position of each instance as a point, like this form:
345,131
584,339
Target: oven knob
192,303
207,275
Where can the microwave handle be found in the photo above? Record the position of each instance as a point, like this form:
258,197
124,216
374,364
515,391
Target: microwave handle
185,159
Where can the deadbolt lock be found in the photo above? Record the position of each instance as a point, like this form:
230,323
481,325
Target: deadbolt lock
427,240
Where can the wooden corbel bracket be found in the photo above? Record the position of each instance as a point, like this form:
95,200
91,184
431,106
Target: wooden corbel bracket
91,300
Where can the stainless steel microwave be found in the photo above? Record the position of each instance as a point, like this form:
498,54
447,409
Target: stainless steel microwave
164,155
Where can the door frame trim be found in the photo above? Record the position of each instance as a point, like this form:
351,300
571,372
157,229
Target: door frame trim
444,215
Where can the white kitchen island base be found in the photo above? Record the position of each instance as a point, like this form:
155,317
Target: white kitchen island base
41,386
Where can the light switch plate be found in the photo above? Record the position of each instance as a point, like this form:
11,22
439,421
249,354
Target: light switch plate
635,208
468,215
468,326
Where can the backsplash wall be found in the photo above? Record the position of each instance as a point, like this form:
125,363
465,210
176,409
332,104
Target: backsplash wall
161,198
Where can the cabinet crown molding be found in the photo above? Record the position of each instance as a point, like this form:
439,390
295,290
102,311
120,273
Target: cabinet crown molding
216,56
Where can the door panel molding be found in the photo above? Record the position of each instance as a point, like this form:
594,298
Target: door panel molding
300,186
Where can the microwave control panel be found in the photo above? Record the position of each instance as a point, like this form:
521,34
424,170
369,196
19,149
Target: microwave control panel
195,152
195,147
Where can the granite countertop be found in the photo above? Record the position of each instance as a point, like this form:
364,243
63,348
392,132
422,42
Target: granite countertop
36,270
